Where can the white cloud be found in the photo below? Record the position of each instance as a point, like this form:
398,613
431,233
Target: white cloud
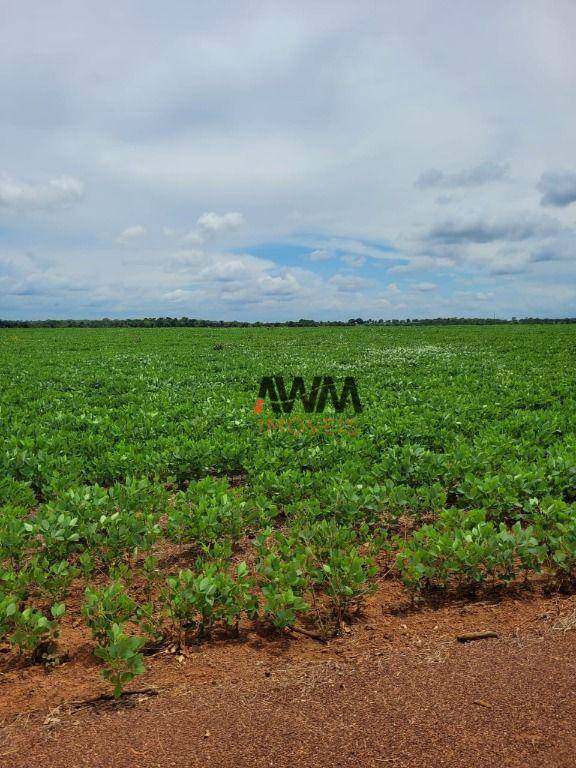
178,295
213,223
348,282
184,261
201,266
21,197
424,287
210,225
130,235
282,285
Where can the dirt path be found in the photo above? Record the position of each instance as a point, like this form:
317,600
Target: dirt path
502,702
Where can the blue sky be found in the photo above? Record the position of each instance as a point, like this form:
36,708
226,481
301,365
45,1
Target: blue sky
282,160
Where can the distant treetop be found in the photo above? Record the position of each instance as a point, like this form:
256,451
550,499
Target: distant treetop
190,322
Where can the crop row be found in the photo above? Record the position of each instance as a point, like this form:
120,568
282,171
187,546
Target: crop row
247,560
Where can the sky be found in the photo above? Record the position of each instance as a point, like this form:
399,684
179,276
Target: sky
282,160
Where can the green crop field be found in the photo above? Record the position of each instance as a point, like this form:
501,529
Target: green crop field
136,474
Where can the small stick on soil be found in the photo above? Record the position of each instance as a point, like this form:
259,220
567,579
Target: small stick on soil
312,635
471,636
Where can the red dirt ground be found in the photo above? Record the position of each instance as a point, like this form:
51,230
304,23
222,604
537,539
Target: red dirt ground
397,689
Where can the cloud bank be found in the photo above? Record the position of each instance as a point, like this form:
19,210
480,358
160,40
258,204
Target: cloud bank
288,159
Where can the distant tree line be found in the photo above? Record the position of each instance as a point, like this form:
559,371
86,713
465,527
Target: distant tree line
191,322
